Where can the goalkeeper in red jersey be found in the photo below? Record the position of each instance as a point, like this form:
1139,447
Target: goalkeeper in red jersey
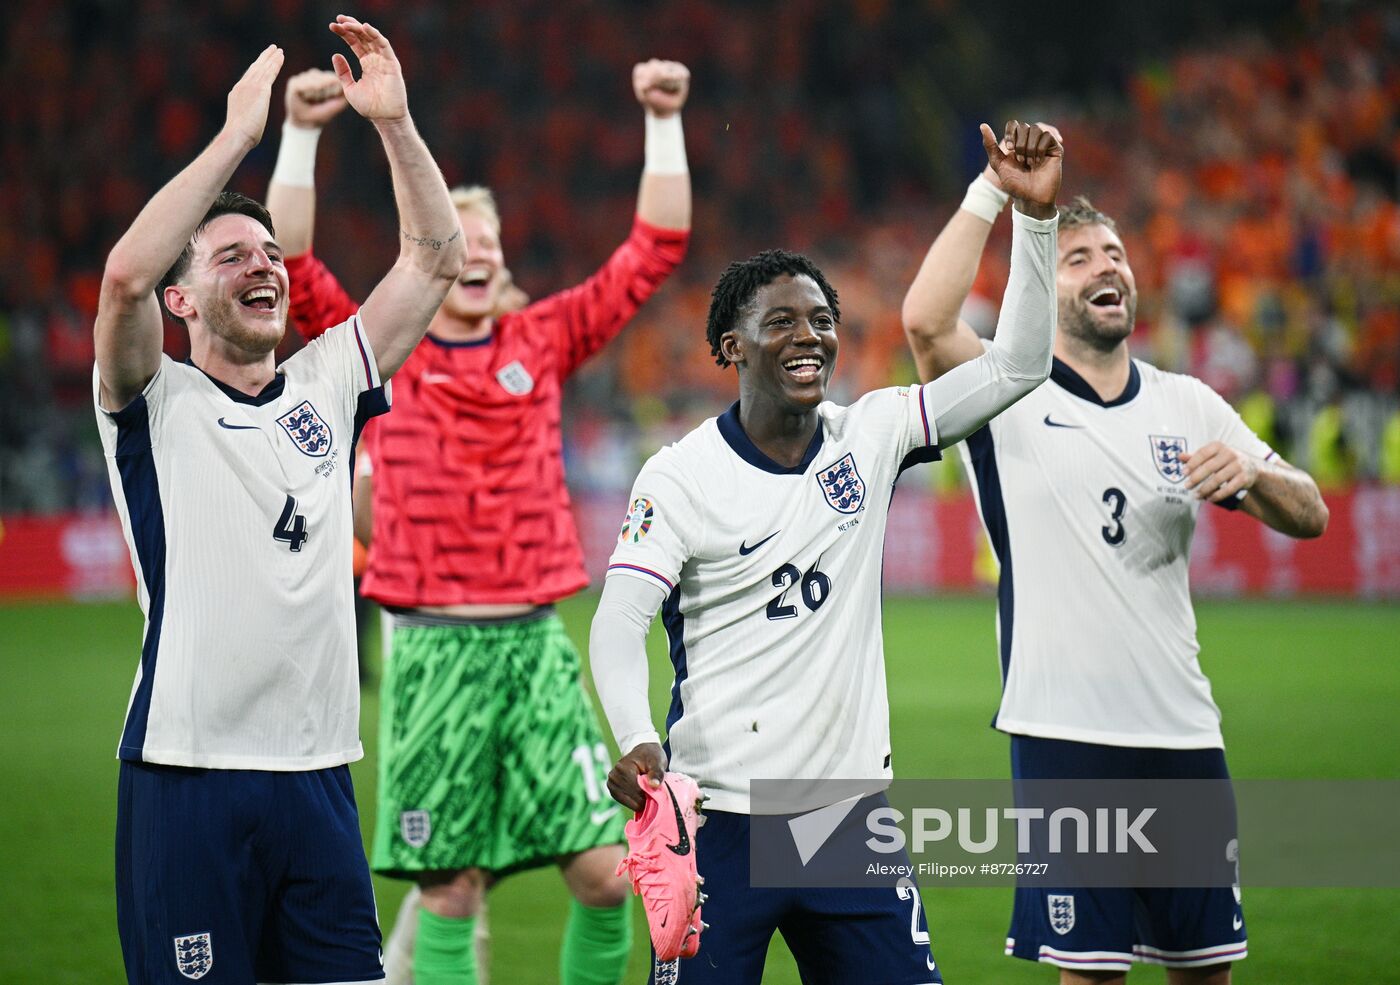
491,758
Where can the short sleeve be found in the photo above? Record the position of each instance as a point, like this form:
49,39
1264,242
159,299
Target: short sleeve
1230,429
661,528
344,355
123,430
915,430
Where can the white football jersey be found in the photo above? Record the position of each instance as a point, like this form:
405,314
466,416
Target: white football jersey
773,575
236,510
1084,504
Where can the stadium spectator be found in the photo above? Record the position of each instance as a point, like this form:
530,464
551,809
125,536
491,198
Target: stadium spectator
1294,252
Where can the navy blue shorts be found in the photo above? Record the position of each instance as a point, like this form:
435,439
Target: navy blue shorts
235,877
1108,929
838,936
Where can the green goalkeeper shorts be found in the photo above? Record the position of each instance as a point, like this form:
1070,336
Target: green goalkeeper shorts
490,754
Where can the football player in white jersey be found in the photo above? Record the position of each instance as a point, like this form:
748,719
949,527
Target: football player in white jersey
760,537
238,844
1089,491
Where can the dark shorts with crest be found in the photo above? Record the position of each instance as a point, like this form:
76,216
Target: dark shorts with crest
238,876
1098,929
875,936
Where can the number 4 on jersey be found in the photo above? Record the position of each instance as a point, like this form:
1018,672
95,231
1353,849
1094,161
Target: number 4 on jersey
291,526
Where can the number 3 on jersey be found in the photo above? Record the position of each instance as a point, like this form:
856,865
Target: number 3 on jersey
291,526
1117,501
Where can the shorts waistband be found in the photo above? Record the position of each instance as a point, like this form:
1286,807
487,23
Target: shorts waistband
419,619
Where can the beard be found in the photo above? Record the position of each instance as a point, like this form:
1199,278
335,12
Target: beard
224,318
1080,321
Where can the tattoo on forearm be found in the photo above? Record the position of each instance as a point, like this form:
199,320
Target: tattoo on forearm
436,244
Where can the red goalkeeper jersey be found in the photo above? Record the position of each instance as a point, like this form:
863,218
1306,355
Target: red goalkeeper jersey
470,505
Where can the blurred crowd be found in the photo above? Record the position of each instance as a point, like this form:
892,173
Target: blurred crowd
1251,163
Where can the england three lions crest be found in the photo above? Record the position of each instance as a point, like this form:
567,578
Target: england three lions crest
515,379
1166,455
1061,913
416,828
842,485
194,955
308,432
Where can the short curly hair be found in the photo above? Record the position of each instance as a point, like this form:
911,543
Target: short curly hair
741,281
1082,212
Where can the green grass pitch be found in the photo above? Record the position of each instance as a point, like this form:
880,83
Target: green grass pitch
1309,689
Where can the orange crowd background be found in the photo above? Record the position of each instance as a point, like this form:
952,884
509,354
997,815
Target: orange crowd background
1251,159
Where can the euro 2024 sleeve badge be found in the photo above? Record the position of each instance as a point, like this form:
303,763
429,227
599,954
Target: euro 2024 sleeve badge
638,521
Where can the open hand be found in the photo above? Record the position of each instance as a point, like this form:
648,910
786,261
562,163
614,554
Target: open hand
249,98
662,87
379,94
314,98
1027,163
646,759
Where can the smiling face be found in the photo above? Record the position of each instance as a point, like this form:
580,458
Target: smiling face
235,287
477,292
1097,292
785,344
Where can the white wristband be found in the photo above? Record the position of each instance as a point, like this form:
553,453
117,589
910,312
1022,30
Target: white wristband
984,199
665,146
296,157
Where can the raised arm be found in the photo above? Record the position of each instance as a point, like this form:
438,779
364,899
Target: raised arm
127,333
313,99
970,393
431,253
938,338
317,301
664,198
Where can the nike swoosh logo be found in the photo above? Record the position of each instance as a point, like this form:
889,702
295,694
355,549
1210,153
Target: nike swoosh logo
745,550
1238,922
436,378
237,427
598,817
1057,424
682,847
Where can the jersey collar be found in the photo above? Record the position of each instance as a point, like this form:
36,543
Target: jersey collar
734,435
266,395
1068,379
461,343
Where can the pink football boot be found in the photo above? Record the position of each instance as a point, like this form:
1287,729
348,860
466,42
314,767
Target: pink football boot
661,864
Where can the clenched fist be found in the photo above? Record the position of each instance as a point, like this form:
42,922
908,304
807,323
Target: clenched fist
1027,163
661,86
314,98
